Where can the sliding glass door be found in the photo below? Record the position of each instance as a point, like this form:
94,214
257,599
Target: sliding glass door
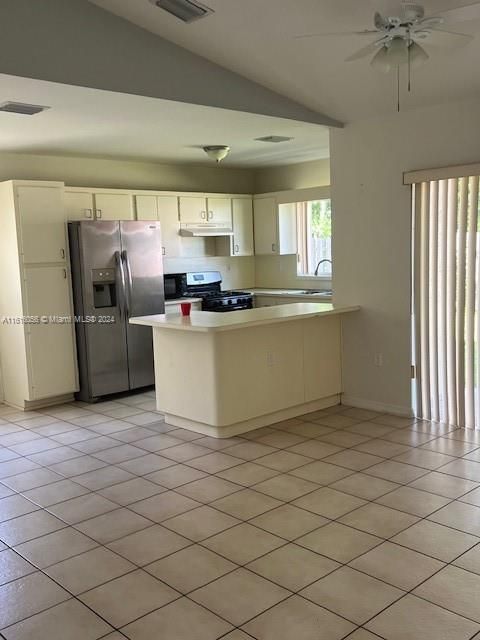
446,299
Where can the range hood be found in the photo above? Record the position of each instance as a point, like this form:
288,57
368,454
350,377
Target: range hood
204,231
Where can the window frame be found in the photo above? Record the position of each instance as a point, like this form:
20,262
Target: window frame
303,234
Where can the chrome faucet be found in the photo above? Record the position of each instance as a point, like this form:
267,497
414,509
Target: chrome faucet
319,263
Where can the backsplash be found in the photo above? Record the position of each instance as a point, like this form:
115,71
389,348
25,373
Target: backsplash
271,272
237,273
280,272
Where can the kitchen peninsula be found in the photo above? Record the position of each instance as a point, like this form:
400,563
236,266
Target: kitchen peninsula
225,374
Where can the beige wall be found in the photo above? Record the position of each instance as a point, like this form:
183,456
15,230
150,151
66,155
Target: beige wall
264,271
371,236
95,172
294,176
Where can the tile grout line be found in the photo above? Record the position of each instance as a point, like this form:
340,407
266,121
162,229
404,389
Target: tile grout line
242,487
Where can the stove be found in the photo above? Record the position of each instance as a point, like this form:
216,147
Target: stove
207,286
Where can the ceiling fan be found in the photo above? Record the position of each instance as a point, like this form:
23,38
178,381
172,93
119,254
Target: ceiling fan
398,37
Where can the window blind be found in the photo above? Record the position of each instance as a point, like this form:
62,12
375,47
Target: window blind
447,299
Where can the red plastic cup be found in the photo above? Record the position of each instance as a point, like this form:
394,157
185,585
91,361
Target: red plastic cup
186,308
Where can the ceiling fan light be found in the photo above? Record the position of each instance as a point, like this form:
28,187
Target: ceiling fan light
397,52
418,55
381,62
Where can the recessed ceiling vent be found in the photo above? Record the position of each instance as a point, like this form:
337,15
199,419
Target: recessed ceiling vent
185,10
274,139
22,108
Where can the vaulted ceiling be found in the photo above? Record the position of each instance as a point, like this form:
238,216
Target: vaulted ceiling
256,38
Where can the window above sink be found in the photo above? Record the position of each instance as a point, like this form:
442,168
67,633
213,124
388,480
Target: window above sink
314,238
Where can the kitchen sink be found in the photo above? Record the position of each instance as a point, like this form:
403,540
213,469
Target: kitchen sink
322,292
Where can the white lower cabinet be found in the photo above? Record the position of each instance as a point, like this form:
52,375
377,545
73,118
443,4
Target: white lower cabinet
51,342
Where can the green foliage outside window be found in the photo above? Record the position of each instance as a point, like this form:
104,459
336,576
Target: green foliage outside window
321,219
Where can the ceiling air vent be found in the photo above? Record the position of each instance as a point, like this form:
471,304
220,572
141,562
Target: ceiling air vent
22,107
274,139
185,10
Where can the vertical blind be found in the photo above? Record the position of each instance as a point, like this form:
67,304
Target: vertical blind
447,299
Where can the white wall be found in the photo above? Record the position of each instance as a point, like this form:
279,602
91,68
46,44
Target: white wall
371,236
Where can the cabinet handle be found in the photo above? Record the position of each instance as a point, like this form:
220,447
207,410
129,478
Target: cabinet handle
62,254
273,247
203,215
88,213
65,274
237,248
99,213
163,251
210,215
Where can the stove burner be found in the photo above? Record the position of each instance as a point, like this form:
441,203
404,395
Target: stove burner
207,286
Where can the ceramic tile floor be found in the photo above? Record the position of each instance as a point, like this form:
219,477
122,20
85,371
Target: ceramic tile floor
343,524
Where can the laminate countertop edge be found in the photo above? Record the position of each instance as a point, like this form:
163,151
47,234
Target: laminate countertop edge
208,321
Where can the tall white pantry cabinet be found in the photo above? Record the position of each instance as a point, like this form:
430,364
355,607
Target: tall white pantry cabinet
38,363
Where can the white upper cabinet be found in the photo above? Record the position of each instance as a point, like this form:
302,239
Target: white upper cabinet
146,207
114,206
41,214
83,204
274,227
219,211
265,213
193,209
242,240
203,209
169,225
79,205
164,209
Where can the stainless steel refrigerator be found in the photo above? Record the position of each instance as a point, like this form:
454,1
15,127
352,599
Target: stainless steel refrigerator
117,273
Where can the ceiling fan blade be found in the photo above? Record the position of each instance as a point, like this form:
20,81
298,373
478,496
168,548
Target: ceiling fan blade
466,13
446,39
365,51
366,32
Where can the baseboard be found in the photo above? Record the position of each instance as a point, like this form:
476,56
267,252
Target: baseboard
372,405
31,405
228,431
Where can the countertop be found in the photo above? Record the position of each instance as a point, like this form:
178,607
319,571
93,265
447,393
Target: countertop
169,303
294,293
208,321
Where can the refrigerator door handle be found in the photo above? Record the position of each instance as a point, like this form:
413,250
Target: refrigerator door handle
128,289
121,282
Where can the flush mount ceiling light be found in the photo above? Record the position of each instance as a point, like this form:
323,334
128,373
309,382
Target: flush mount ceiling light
217,152
185,10
397,37
22,108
